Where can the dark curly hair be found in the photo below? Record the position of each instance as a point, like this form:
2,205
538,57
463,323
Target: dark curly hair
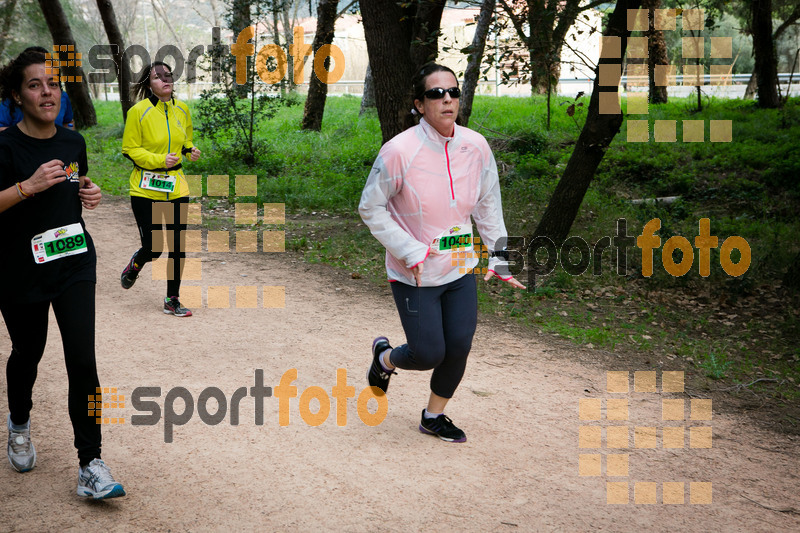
12,74
418,90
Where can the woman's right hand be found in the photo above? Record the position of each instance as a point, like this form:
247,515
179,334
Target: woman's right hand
172,160
417,271
47,175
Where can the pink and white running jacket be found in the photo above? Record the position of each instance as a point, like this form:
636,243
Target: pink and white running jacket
420,185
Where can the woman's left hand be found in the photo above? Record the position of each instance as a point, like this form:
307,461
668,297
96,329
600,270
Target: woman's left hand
195,154
89,193
511,281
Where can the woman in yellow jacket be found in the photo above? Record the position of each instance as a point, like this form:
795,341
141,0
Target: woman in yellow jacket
158,132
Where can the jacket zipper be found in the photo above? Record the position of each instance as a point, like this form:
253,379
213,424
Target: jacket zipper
447,157
169,136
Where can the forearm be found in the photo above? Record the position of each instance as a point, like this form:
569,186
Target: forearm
10,197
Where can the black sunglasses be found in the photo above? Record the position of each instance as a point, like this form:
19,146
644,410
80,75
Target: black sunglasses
438,92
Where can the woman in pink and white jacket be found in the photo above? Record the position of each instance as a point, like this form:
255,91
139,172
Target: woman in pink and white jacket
424,186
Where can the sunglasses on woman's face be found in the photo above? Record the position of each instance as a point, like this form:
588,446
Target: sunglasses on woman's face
437,93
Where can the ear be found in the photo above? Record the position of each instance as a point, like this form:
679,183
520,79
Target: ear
418,105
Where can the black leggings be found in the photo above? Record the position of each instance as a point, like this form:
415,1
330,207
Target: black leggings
147,211
439,323
27,327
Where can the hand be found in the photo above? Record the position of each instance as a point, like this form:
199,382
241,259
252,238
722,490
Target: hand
89,193
195,154
47,175
171,160
417,271
511,281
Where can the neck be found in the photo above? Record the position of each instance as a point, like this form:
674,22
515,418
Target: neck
37,130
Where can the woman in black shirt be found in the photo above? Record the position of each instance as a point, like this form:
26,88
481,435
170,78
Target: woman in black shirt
48,258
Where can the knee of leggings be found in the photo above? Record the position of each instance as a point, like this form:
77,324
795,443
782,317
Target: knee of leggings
30,354
459,346
428,357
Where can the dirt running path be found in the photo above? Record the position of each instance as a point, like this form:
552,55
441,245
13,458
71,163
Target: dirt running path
518,405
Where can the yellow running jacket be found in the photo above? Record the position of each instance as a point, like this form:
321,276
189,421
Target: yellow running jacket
152,130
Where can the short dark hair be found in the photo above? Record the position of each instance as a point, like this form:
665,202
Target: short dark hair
11,75
141,88
418,89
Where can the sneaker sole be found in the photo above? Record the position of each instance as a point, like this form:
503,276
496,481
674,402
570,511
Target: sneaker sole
115,492
168,312
427,432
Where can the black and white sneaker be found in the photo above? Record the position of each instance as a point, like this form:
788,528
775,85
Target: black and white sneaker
172,306
442,427
377,376
131,272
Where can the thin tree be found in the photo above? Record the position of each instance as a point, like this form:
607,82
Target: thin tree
368,96
115,39
541,27
656,53
791,19
595,137
475,51
78,92
766,68
317,89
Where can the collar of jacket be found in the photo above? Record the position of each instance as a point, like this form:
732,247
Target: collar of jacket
155,101
436,137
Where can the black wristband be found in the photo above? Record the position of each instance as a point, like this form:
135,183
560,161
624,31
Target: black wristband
502,254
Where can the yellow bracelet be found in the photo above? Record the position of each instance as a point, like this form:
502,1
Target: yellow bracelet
21,192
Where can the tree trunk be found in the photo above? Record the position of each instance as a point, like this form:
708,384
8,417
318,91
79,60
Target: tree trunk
656,53
752,85
598,132
390,28
241,19
793,17
473,70
368,96
425,36
318,90
7,14
122,67
764,47
78,92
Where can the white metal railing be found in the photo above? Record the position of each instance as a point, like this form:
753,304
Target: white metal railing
110,91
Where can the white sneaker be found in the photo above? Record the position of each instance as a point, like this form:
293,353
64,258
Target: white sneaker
95,480
21,453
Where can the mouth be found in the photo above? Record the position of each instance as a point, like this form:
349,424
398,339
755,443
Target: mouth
47,105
